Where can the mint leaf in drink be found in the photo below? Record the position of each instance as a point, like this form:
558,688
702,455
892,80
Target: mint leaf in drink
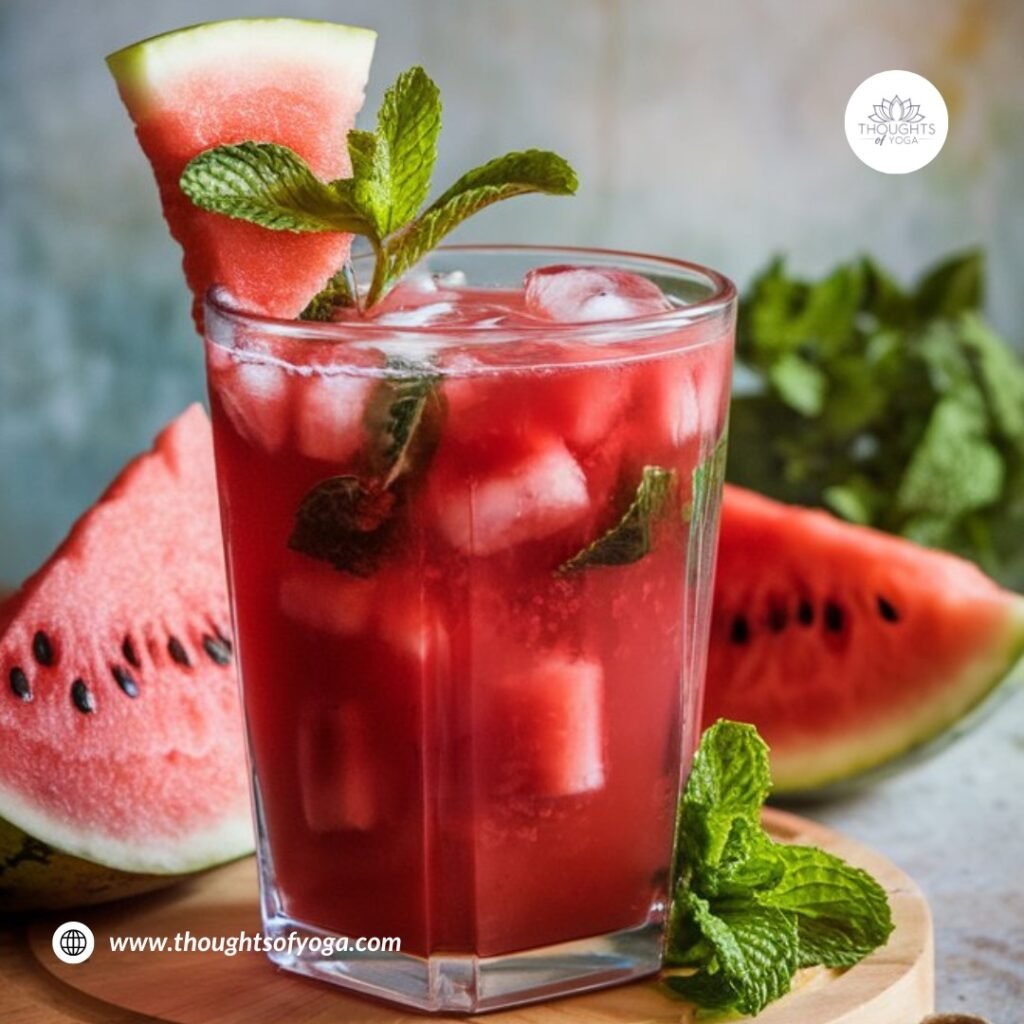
514,174
746,911
339,291
633,535
344,520
404,419
708,478
747,959
392,166
842,913
268,185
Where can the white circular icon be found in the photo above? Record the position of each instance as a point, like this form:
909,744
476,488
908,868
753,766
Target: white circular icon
73,942
896,122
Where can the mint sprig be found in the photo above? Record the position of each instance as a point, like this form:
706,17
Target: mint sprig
632,537
392,166
747,912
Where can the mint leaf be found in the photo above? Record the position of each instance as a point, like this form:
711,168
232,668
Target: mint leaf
515,174
730,779
842,913
344,521
800,384
268,185
392,167
954,468
340,290
633,535
404,418
952,287
749,862
708,477
750,961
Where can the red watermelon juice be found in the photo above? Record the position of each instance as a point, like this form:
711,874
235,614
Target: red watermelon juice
470,539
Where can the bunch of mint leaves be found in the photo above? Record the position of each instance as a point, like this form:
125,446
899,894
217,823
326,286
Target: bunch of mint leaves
392,167
748,912
896,408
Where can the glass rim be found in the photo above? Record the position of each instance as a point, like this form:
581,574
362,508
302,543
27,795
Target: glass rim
722,295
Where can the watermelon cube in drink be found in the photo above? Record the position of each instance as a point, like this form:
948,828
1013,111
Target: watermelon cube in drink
469,537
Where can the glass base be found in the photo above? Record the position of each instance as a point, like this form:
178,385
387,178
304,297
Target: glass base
463,983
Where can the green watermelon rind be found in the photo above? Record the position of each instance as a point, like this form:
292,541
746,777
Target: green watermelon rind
968,698
138,68
227,839
36,876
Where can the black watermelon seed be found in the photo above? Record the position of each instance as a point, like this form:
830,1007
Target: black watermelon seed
887,610
778,618
833,617
218,651
740,632
19,684
805,613
82,697
223,637
42,648
177,652
130,655
125,680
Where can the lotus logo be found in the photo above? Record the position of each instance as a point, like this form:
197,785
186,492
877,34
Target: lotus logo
880,110
899,120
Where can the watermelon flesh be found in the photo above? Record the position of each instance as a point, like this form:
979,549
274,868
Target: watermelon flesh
296,83
845,646
120,727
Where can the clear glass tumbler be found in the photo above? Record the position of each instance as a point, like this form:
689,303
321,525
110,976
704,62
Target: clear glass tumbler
470,568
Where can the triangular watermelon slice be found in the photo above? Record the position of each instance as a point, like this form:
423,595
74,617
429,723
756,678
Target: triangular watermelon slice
295,83
120,727
845,646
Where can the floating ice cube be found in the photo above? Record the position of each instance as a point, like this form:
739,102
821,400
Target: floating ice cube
329,416
531,499
584,294
324,598
255,397
336,770
553,715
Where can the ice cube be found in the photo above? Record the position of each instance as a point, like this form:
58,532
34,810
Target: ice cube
255,397
417,316
553,717
679,402
537,495
336,770
329,415
323,598
585,294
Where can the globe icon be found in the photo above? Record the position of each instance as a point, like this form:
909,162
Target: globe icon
73,942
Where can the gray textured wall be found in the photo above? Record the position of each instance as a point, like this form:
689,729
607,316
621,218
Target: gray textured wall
710,130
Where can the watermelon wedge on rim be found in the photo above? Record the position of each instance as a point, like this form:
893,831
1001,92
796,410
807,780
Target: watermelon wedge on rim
847,647
283,80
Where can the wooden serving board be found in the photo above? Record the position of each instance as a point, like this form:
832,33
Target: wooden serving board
893,986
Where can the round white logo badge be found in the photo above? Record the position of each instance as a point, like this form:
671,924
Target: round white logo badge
896,122
73,942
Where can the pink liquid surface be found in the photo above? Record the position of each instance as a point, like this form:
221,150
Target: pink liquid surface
468,749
